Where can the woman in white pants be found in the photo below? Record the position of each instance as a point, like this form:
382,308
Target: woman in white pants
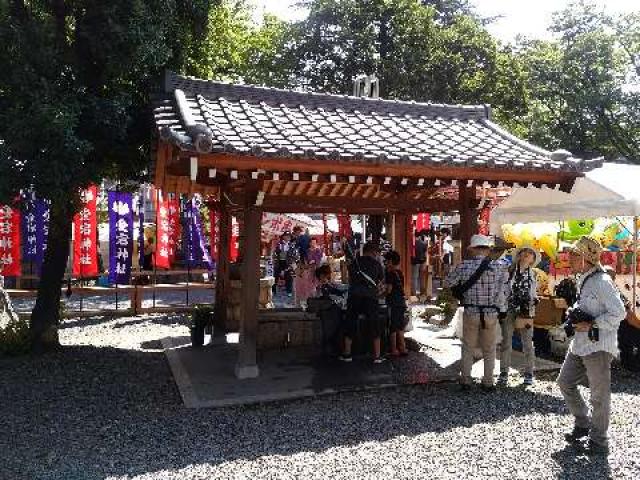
522,294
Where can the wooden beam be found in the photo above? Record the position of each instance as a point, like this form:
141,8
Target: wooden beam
402,244
247,366
222,268
313,204
246,162
467,204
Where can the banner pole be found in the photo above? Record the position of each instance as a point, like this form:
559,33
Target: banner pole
635,262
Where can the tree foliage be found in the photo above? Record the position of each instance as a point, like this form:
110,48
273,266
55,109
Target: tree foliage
581,88
75,104
420,50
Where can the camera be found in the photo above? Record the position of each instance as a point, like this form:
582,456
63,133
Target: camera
577,315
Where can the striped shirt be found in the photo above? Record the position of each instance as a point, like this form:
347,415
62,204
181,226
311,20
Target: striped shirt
600,298
488,291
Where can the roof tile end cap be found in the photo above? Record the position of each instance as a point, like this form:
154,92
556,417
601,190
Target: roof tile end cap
561,155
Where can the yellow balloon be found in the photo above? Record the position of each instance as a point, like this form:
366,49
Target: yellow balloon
549,245
526,237
508,234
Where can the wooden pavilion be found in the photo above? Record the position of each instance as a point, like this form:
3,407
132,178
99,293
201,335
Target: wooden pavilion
254,149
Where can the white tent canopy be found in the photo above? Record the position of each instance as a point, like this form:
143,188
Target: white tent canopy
612,190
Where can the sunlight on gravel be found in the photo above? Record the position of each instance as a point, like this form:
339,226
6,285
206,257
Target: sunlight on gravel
106,407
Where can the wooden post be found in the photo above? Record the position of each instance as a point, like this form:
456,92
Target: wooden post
222,270
402,229
375,227
247,366
468,215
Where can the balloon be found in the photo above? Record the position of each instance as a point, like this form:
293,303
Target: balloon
577,229
526,237
509,234
623,235
609,235
549,245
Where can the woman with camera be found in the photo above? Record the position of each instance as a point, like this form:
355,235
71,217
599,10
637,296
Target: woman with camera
593,323
522,298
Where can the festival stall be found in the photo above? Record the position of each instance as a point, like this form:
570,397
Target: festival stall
604,204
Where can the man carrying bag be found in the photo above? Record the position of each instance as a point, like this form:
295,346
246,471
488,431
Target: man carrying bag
593,323
478,283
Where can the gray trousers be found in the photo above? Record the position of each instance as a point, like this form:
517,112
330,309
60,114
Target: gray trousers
415,277
526,335
474,336
593,371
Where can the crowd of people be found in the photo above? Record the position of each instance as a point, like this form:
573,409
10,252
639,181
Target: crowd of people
303,271
495,293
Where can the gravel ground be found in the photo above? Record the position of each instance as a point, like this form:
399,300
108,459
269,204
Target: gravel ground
106,407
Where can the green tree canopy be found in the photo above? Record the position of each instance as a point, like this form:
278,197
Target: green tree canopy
581,88
75,104
420,50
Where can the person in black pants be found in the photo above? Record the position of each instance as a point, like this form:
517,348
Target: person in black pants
366,283
285,257
396,303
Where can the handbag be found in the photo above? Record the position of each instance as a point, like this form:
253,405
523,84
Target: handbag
523,322
460,289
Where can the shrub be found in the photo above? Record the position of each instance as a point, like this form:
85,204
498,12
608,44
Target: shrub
14,337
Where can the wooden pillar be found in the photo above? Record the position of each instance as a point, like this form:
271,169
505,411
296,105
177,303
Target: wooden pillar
375,225
402,231
247,366
468,215
222,270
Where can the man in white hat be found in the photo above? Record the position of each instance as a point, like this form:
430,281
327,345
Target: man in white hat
479,281
522,295
596,317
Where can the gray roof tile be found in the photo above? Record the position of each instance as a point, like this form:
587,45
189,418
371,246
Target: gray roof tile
271,122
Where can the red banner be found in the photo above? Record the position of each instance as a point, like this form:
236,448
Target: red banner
235,234
423,222
215,237
85,249
344,225
173,215
162,258
484,220
10,260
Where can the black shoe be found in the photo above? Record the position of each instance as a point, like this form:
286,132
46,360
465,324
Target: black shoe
576,435
596,449
465,387
488,388
345,358
503,380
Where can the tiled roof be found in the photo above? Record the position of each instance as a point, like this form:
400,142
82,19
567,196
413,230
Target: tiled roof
206,116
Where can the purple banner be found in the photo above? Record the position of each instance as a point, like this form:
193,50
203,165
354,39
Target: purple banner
195,248
35,226
120,237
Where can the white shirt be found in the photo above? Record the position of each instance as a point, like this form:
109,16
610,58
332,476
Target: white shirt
600,298
446,245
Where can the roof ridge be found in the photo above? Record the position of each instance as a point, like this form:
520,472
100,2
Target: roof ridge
331,101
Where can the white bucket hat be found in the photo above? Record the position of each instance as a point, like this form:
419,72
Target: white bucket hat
480,241
536,253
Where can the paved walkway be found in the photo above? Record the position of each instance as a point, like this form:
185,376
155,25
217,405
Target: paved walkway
205,376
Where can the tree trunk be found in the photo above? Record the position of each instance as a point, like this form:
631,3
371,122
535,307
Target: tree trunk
46,313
